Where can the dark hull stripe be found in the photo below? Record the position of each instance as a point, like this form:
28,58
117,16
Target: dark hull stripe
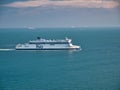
52,49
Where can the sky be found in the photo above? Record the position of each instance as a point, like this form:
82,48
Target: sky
59,13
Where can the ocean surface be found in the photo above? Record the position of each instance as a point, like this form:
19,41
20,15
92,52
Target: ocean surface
96,67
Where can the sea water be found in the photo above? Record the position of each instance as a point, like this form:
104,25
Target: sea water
96,67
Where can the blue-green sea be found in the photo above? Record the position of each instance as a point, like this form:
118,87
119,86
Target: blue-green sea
96,67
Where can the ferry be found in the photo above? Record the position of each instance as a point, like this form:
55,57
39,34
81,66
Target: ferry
48,44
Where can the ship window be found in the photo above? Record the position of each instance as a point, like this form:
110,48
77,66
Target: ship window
52,44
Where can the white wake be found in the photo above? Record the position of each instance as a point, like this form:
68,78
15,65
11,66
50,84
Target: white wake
5,49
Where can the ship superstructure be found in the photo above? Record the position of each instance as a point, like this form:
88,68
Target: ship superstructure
45,44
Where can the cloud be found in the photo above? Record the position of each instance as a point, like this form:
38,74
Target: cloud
66,3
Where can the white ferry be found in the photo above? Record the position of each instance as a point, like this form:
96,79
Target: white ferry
44,44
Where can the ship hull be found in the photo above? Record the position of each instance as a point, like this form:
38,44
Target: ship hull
51,49
71,48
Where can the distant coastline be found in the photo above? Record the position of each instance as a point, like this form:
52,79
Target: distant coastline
31,28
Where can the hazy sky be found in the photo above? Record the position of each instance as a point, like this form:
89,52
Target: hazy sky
59,13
